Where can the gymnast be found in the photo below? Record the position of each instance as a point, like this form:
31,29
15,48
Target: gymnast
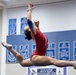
38,58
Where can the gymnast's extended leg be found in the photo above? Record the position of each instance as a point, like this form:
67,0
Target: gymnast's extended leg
45,60
17,55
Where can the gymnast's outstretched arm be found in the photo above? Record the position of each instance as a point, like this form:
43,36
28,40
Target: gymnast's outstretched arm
29,19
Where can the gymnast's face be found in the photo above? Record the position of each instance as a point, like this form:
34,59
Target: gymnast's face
27,32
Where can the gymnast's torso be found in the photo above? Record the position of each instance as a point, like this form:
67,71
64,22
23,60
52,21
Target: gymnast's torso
41,43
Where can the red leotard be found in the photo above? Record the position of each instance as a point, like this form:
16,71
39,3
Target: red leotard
41,44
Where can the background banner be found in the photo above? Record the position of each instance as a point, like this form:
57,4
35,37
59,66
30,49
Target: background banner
12,26
47,70
61,45
23,24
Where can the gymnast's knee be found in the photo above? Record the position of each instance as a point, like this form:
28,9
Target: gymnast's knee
58,64
23,65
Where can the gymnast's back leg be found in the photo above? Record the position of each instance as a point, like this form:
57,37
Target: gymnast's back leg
45,60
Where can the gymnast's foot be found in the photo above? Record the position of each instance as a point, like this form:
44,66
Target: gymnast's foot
31,6
8,46
74,65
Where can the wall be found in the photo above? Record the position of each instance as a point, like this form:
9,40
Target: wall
0,35
57,16
0,21
53,17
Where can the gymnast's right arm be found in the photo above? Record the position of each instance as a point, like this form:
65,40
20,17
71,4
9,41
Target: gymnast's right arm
32,26
29,19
